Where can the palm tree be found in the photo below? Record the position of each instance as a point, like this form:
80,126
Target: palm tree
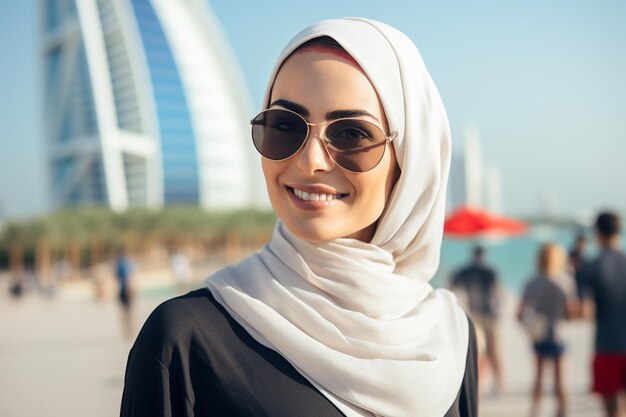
90,235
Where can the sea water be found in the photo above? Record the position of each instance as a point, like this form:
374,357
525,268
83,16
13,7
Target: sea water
514,259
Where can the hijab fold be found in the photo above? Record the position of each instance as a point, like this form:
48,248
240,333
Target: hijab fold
360,320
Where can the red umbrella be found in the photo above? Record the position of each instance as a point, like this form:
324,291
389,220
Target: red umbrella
471,222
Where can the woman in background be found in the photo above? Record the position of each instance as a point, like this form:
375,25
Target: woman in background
335,316
548,299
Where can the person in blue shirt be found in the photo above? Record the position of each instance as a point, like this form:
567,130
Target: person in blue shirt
124,270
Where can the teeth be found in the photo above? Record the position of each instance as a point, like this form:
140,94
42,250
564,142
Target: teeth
315,196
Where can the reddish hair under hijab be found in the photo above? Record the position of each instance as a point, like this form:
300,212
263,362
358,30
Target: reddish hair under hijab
327,45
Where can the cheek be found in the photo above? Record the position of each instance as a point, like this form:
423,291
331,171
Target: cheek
271,171
372,193
376,185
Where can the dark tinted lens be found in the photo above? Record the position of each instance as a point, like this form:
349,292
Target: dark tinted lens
278,134
356,145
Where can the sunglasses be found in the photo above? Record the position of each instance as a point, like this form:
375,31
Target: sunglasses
354,144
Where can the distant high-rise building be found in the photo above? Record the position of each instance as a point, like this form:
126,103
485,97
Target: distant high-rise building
471,184
474,181
493,189
456,183
145,106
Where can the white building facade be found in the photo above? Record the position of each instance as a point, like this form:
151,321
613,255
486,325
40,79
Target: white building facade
145,106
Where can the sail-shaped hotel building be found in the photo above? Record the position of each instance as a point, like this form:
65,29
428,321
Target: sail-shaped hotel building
145,106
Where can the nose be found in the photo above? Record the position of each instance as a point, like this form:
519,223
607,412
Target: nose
313,157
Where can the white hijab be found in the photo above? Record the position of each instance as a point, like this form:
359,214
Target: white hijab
360,320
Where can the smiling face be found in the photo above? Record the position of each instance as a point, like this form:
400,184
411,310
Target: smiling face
315,198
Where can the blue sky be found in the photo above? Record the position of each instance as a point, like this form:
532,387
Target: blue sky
542,81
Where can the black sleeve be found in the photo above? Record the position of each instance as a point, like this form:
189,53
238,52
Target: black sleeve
147,388
468,397
154,384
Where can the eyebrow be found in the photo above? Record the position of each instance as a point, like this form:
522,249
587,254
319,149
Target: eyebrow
290,105
331,115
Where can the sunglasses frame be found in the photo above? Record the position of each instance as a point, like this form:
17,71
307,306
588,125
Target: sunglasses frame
324,139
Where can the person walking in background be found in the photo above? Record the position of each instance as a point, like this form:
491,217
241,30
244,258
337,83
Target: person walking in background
577,259
480,294
604,290
548,298
577,252
181,269
124,270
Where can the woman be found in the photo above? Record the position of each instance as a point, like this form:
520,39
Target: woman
548,298
335,315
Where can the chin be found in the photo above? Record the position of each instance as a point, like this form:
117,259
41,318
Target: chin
323,233
311,234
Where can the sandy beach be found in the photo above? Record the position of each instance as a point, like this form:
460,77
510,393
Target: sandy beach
66,357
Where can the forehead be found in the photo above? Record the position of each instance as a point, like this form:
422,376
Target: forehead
324,81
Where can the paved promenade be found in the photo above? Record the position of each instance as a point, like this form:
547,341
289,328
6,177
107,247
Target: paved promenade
66,358
519,365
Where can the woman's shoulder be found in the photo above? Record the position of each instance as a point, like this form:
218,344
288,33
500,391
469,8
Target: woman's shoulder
197,299
181,310
176,322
